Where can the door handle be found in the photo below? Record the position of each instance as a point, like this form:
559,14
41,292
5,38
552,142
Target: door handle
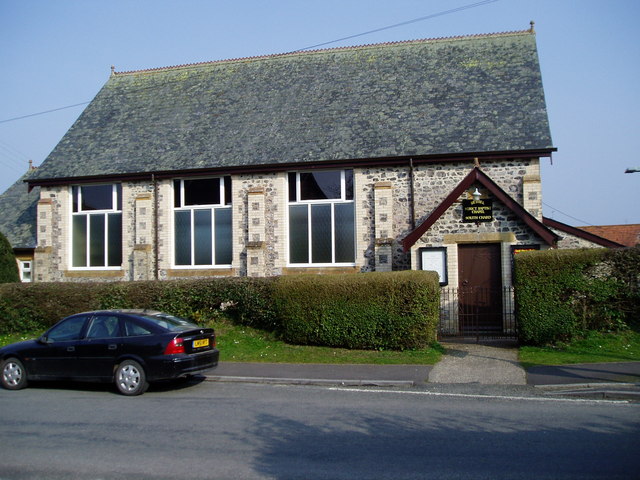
71,349
113,346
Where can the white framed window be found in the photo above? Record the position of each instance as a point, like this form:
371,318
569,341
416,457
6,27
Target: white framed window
202,222
321,218
96,226
24,266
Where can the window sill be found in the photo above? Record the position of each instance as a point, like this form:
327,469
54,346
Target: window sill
319,270
94,273
201,272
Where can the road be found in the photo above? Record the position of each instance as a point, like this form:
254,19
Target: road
246,431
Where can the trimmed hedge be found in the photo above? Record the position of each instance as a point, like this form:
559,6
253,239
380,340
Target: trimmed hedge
394,311
366,311
37,306
561,294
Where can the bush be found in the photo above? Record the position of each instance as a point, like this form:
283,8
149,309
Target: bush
8,267
366,311
37,306
561,294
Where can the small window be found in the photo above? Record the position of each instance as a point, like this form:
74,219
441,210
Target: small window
321,185
202,191
25,270
96,197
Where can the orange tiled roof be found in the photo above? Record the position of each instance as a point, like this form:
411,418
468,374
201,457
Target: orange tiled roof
628,235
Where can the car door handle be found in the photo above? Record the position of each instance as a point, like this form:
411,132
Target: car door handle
71,349
113,346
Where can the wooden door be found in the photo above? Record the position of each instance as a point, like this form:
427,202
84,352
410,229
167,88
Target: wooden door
480,289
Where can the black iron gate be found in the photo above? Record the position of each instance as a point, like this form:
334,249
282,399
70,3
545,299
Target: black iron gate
478,312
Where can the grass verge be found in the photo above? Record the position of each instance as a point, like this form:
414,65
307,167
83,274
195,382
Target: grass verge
245,344
594,348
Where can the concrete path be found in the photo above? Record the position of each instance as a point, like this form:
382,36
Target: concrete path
474,363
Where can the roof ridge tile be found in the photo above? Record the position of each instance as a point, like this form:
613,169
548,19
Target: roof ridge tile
321,50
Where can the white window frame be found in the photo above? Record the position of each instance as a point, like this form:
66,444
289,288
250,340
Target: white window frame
309,203
87,214
25,266
192,208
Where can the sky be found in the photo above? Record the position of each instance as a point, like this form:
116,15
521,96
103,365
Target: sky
56,55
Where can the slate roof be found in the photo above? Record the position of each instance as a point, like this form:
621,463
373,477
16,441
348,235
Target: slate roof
18,213
414,99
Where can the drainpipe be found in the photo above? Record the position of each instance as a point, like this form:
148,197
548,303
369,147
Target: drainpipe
155,226
412,202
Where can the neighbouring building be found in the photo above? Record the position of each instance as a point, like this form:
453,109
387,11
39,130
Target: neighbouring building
418,154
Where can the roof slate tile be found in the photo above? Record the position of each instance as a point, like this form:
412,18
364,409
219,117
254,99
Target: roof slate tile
419,98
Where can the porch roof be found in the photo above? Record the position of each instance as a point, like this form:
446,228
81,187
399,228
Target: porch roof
478,176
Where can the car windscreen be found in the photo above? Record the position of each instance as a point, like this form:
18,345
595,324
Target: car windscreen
169,322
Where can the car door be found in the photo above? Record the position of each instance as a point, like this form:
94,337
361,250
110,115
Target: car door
58,357
101,346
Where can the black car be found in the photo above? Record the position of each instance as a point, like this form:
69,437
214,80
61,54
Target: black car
128,347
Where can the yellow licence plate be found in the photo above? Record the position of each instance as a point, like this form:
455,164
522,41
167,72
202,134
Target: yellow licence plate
201,343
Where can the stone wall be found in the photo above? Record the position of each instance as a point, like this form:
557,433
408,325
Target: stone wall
386,211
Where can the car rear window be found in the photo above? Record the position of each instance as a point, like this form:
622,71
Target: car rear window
174,324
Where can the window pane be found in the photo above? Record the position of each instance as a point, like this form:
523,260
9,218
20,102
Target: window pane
348,184
104,327
79,241
227,190
119,196
298,234
133,329
345,232
202,237
205,191
176,193
115,240
69,329
96,240
97,197
320,185
183,238
321,234
75,194
223,237
293,197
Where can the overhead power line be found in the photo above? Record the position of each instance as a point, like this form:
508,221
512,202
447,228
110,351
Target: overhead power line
566,214
401,24
388,27
43,113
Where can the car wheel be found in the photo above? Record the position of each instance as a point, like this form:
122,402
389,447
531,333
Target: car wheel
130,378
14,375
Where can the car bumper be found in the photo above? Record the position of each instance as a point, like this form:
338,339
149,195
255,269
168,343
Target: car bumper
174,366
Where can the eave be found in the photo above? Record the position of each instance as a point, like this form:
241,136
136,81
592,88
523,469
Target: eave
576,232
281,167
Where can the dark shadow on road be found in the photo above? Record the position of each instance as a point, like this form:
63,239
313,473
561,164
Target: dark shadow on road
374,447
155,387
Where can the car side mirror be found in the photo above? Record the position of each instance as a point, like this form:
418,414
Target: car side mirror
44,340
